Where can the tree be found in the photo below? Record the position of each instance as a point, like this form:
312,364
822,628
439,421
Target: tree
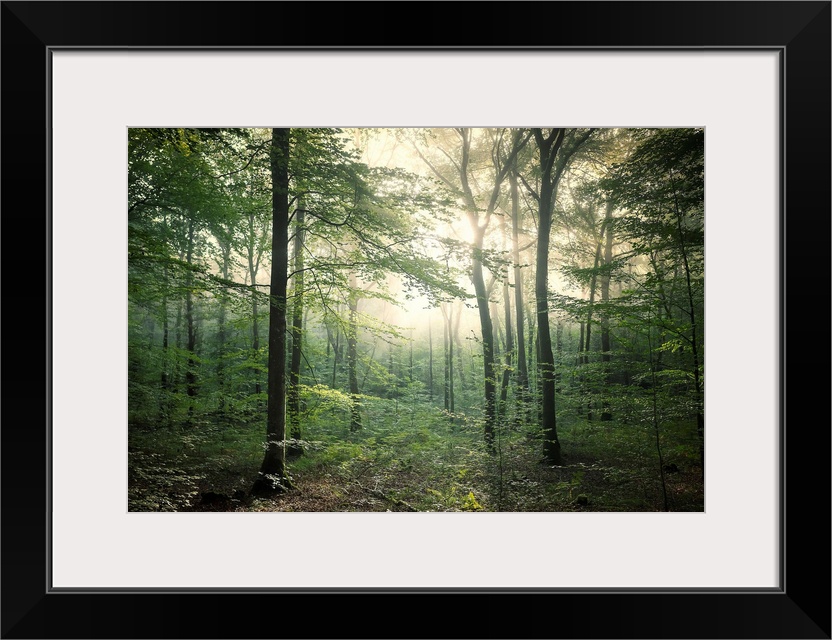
661,184
352,356
295,448
553,159
352,224
509,337
503,146
361,257
256,241
605,299
448,318
519,305
272,477
174,200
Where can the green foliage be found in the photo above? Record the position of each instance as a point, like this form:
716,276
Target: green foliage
155,484
470,503
320,399
373,238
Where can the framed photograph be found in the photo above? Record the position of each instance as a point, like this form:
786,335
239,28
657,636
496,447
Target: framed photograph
83,80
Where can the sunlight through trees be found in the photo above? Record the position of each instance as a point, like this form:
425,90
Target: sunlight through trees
500,319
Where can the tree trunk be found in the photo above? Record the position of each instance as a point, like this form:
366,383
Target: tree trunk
165,396
177,336
272,478
487,339
190,371
509,350
559,352
605,297
656,417
592,284
165,338
445,336
459,361
352,356
253,267
546,358
336,350
534,378
522,366
700,418
480,290
430,361
295,449
478,227
221,337
552,164
165,332
448,317
548,148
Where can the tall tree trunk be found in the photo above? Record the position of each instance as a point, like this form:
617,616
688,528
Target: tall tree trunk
546,359
559,352
509,350
295,449
451,394
579,360
448,317
593,282
165,339
410,366
253,268
700,418
459,350
446,334
221,329
352,356
605,297
522,366
190,371
548,147
499,339
177,336
487,338
656,417
430,361
480,290
165,333
536,343
165,396
534,377
272,477
552,164
478,225
336,348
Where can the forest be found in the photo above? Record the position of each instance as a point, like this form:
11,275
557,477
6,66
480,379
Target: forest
423,320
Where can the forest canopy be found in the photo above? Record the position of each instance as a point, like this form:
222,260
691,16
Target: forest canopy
454,319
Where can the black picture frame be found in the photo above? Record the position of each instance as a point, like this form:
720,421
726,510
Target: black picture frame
800,608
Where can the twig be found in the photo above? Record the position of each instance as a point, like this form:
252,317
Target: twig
384,496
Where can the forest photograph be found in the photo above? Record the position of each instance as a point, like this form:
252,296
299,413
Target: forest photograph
416,320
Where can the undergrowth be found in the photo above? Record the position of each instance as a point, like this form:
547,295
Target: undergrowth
414,458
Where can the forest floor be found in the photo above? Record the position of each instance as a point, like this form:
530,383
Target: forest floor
421,464
596,490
